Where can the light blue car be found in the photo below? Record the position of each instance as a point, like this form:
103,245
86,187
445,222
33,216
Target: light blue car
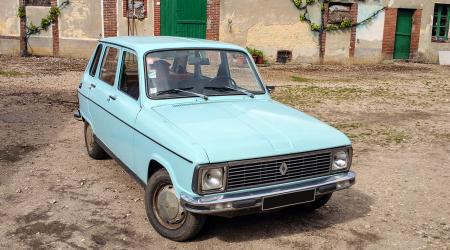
192,121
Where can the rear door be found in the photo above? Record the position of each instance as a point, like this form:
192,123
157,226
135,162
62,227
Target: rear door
102,92
402,46
125,107
88,82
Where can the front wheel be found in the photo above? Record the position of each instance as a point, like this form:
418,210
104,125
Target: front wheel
165,212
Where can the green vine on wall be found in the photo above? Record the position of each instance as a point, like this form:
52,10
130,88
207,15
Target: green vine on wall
21,12
53,14
32,29
345,24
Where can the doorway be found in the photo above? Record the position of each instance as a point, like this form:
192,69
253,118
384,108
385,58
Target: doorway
402,47
185,18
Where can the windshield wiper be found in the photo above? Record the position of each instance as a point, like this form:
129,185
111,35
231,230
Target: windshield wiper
243,91
184,90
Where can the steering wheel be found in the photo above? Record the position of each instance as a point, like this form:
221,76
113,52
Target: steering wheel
233,82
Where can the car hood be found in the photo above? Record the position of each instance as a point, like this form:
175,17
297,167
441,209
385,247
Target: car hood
250,129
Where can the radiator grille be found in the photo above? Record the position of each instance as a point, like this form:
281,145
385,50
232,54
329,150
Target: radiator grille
269,170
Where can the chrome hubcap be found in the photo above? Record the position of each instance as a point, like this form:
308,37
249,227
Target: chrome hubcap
168,209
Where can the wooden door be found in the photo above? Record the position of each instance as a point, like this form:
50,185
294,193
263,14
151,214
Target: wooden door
185,18
402,46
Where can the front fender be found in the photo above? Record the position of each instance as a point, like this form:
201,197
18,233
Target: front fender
180,170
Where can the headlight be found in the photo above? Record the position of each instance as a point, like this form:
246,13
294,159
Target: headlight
340,160
212,179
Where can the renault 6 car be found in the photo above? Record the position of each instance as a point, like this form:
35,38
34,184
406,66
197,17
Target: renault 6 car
194,123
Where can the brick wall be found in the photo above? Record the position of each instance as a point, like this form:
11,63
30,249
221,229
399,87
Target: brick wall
415,33
354,13
323,34
157,17
23,43
390,25
109,18
55,31
213,19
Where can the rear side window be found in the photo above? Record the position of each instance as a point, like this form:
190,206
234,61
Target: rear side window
109,65
94,65
129,80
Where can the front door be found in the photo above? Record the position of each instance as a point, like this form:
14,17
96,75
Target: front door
402,47
185,18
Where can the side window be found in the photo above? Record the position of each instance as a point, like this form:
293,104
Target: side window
129,79
109,65
94,65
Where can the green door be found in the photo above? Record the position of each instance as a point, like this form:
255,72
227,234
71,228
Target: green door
402,46
185,18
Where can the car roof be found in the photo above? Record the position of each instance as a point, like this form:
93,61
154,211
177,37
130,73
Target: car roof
143,44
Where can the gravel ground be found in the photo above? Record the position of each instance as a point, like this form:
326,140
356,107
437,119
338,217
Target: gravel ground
52,195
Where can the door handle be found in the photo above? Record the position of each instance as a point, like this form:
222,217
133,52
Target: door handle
111,97
92,86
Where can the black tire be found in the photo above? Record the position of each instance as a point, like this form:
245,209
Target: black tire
93,148
318,203
186,229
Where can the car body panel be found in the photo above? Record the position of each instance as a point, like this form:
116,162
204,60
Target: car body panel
182,133
250,129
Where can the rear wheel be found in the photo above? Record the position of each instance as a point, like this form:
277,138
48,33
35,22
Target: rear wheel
93,148
165,212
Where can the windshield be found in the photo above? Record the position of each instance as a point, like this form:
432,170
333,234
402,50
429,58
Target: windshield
201,73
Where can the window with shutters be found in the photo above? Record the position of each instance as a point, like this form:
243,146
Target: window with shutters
441,22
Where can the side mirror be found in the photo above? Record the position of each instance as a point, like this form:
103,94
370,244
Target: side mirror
270,88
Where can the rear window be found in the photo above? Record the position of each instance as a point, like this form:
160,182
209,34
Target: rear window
94,65
109,65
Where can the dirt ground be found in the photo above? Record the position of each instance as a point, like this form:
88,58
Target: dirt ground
52,195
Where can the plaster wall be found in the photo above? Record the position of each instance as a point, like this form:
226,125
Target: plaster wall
35,15
81,19
9,22
369,36
80,27
41,43
337,48
269,25
77,48
9,27
9,46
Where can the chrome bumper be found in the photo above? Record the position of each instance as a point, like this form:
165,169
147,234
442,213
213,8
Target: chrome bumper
220,203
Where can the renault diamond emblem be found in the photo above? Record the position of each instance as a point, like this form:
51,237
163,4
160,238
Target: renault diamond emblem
283,168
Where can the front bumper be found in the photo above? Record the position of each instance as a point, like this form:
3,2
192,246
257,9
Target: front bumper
220,203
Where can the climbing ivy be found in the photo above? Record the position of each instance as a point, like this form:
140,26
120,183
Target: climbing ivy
21,12
53,13
32,29
345,24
